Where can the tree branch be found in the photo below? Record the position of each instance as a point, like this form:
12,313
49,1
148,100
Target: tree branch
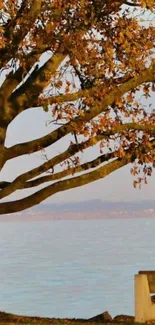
119,129
147,75
70,171
9,109
41,195
60,186
131,4
4,184
71,150
26,95
21,181
28,19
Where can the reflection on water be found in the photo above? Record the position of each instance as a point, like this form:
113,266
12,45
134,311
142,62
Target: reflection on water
73,268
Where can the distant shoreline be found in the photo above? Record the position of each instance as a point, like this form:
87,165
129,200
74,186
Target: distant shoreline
69,216
7,318
84,210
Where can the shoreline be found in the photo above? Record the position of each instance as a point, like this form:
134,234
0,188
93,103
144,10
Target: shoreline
12,319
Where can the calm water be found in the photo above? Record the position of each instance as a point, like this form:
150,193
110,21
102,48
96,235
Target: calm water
73,268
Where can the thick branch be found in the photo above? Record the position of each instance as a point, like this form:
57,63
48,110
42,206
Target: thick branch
7,107
20,180
70,171
10,26
27,94
4,184
57,176
147,75
132,4
36,145
119,129
28,19
74,170
64,185
3,150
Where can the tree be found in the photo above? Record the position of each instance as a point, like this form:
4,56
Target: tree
96,79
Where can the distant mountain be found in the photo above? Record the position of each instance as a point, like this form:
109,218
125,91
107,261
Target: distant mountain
93,209
95,205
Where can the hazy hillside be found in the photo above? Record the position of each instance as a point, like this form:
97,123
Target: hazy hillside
94,209
96,205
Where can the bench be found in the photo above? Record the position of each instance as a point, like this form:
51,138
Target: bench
144,287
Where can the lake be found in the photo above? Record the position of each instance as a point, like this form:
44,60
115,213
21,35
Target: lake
73,268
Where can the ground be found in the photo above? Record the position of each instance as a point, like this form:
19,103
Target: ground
10,319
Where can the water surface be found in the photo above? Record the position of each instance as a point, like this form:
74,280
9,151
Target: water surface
73,268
